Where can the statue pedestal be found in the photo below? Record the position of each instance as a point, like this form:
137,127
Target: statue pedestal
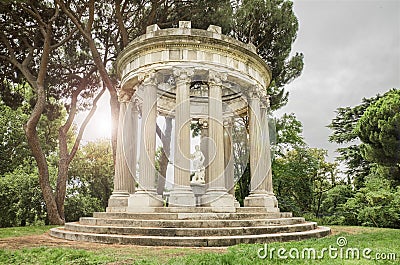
199,189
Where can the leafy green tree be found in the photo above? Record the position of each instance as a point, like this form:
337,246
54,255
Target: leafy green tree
271,26
301,178
287,133
241,159
344,132
21,198
376,204
90,180
332,210
379,131
36,41
13,146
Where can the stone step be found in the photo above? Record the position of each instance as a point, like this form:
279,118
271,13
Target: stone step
191,216
213,223
190,232
208,210
203,241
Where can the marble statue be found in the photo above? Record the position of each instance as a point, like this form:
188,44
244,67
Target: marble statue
198,166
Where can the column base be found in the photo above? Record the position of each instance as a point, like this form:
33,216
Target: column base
219,201
144,202
262,200
182,197
118,202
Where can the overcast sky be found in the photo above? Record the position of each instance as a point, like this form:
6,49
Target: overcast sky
351,50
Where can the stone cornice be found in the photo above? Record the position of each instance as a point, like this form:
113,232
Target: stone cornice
225,46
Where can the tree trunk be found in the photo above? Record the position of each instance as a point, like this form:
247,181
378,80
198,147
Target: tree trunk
62,176
38,154
114,104
166,141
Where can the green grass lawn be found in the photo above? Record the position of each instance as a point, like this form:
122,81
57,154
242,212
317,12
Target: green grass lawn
379,241
24,231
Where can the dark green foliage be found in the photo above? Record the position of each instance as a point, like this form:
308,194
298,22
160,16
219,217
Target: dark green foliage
272,27
332,210
21,199
90,180
344,132
379,130
13,146
301,178
81,205
242,187
375,122
377,204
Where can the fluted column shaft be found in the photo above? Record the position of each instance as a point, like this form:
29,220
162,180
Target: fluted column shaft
216,195
228,157
182,194
255,143
130,143
182,128
147,178
216,134
267,161
123,179
121,176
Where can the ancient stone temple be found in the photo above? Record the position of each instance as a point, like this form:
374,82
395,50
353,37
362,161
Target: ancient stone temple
202,78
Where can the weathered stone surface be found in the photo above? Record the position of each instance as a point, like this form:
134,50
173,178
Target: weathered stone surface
184,241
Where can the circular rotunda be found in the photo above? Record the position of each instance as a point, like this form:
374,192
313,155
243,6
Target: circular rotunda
197,78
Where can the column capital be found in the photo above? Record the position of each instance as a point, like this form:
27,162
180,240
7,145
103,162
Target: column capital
124,96
265,102
216,77
149,78
183,74
228,122
253,92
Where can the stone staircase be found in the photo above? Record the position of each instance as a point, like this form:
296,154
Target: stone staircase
191,227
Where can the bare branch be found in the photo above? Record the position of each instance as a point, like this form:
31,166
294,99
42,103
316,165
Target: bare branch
67,38
53,18
89,24
73,18
35,14
84,124
121,26
28,58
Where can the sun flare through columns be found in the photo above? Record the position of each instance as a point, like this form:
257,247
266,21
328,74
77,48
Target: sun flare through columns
196,75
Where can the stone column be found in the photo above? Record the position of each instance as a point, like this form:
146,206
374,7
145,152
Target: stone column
258,159
229,160
118,201
216,195
182,195
228,157
272,202
130,143
146,198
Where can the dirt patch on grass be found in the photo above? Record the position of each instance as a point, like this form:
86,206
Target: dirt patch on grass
45,240
353,230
